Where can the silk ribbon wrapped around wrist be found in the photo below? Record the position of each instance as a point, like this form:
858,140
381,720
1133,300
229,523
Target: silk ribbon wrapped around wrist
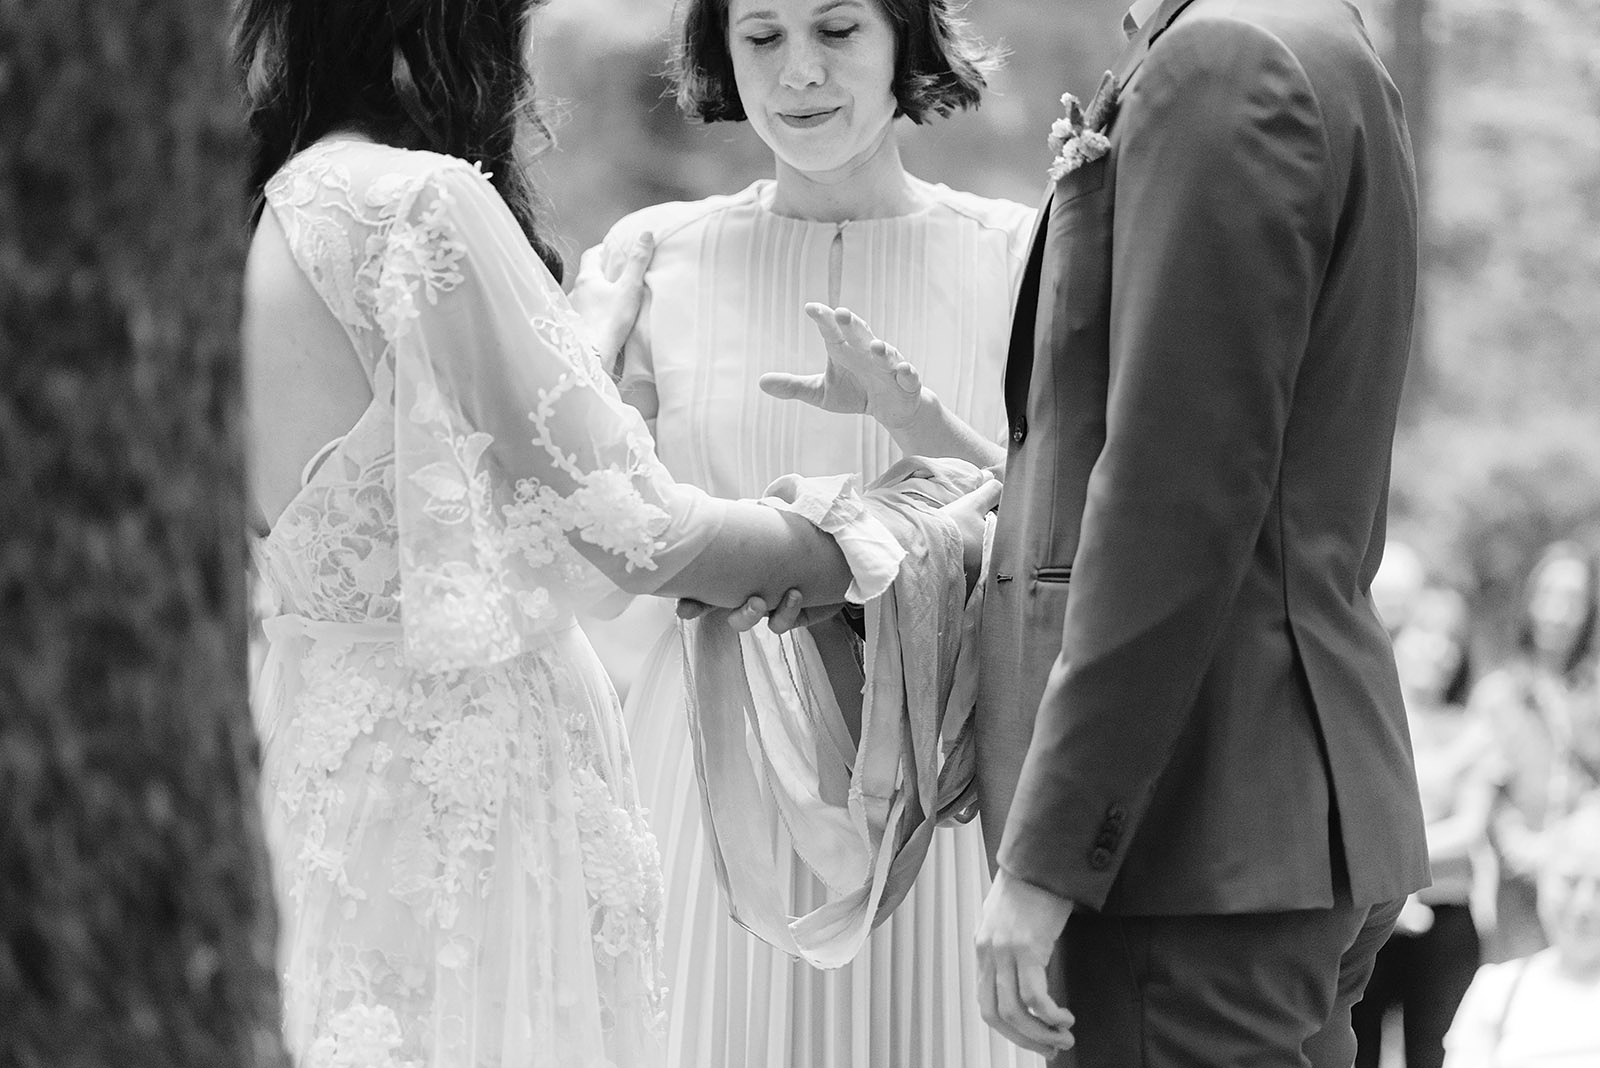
855,750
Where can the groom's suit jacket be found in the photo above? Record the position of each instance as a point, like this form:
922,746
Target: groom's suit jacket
1188,703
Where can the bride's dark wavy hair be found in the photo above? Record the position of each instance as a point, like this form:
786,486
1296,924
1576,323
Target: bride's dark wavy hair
447,76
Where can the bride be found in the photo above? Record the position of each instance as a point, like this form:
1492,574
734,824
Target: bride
465,872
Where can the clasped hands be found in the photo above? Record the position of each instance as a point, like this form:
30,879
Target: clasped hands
864,376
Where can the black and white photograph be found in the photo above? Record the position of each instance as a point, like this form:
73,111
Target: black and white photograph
799,534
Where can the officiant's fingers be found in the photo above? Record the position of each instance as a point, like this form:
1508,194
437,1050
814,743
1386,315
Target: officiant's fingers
827,320
908,378
632,271
591,263
840,326
807,388
857,335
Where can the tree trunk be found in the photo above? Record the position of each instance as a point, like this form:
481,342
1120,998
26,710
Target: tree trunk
136,922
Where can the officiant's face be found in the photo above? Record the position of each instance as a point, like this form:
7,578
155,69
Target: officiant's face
815,77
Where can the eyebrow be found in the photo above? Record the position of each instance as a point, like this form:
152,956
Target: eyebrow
823,10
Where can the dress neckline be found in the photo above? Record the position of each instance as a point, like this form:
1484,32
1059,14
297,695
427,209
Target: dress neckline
761,192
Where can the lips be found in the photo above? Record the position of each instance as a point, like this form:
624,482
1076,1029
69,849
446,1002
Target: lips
804,120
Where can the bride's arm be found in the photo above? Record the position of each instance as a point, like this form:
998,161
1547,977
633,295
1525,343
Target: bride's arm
756,549
867,375
757,552
525,487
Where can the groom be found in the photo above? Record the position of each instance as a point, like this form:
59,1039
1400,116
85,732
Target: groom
1193,759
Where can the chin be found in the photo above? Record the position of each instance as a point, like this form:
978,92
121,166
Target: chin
819,159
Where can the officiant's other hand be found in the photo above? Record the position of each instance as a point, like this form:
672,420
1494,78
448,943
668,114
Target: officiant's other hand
609,301
863,374
1017,933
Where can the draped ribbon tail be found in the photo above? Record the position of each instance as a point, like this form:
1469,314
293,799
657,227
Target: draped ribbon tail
958,784
774,731
731,808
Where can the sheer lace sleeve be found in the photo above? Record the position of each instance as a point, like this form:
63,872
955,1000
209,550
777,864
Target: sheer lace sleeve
524,486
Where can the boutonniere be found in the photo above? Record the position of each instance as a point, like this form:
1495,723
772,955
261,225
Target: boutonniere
1079,136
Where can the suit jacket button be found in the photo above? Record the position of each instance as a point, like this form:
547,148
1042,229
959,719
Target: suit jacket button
1099,858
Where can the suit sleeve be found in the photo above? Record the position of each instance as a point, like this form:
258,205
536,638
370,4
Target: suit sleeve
1222,232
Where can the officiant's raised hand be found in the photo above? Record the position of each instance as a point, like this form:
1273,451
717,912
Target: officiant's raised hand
864,375
867,375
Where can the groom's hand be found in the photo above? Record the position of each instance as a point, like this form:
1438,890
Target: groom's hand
1016,936
968,513
788,615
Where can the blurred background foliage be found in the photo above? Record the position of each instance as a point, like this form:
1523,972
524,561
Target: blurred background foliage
1500,448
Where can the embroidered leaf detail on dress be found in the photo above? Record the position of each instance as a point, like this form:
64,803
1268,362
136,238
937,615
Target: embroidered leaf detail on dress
442,481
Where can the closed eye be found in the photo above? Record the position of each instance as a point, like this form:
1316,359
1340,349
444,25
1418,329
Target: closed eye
761,40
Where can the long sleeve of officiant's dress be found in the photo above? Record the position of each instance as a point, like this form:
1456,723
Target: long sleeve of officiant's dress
726,290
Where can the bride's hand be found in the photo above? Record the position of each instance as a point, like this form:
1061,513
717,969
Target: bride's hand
610,303
864,374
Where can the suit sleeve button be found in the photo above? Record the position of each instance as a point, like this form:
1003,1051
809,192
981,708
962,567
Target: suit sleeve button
1099,858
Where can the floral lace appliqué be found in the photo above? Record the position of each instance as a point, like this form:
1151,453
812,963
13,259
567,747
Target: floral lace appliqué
361,1036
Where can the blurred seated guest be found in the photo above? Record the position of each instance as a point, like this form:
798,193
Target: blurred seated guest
1430,959
1397,585
1543,714
1544,1010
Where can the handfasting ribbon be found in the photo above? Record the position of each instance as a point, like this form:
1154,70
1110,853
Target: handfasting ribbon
768,724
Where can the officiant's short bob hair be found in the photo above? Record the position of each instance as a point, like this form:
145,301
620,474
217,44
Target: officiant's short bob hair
939,64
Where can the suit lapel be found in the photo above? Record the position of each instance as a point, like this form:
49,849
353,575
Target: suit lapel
1019,356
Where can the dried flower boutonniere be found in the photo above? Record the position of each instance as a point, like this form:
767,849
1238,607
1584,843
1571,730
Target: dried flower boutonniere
1079,137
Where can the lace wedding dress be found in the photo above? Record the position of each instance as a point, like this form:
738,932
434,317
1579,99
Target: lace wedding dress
465,874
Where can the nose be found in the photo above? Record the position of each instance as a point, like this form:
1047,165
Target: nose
803,65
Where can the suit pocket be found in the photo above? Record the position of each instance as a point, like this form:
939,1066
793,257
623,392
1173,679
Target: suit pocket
1089,178
1060,574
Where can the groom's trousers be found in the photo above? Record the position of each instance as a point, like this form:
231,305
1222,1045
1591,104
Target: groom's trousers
1260,990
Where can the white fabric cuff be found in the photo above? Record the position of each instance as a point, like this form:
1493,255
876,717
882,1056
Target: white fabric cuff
835,505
